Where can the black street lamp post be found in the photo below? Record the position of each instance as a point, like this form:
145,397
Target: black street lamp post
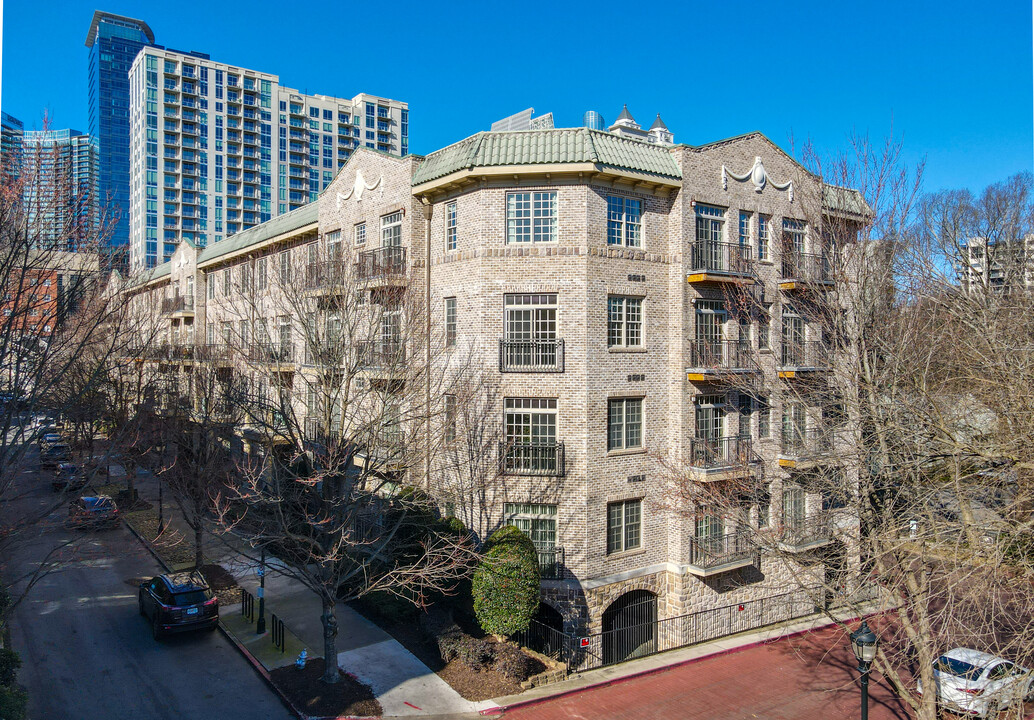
864,643
260,626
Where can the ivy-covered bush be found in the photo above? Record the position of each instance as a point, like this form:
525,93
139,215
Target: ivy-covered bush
506,583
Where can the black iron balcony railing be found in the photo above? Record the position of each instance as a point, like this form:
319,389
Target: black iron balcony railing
708,553
214,351
383,262
329,273
551,563
520,458
332,355
715,355
804,355
178,303
183,351
272,353
721,258
382,353
531,355
806,532
718,453
317,430
801,443
806,267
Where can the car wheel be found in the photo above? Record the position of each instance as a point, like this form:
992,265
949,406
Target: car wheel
140,602
156,629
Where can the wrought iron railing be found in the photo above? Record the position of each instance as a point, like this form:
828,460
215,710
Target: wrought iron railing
721,258
271,353
721,355
717,453
178,303
183,351
806,267
801,533
800,442
518,458
383,262
551,563
804,354
382,353
315,430
531,355
708,553
327,273
331,355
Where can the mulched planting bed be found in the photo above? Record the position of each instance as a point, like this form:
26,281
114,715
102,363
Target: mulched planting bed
223,584
312,696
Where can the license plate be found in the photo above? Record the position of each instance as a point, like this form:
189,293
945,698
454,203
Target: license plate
191,611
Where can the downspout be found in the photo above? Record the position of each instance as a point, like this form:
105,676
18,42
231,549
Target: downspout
427,342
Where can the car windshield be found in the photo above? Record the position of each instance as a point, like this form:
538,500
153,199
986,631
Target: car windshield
958,668
194,597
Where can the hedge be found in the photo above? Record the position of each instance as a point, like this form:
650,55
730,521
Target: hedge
506,583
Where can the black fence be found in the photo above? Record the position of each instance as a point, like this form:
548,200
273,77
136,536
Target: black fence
633,630
247,604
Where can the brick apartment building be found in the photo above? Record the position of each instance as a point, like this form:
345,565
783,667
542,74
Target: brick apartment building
627,301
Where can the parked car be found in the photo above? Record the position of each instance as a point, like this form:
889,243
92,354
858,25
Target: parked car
53,455
178,602
68,476
976,683
92,513
49,438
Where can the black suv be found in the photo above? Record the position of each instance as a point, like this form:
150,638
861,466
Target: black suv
178,602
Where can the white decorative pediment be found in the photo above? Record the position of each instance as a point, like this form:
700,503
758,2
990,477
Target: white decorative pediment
358,188
758,176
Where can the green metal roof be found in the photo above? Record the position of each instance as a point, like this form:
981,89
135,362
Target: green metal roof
305,215
155,273
845,200
542,147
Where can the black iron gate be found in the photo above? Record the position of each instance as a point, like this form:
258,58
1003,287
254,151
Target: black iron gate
630,627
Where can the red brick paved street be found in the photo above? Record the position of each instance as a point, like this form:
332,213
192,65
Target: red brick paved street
808,677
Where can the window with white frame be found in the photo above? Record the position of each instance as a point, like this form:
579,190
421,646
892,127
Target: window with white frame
624,221
450,226
260,271
211,285
285,268
624,525
744,229
709,526
710,224
359,234
531,217
227,332
624,423
530,421
624,322
764,223
536,520
709,412
451,413
764,333
210,334
333,240
764,413
793,235
226,282
391,229
450,322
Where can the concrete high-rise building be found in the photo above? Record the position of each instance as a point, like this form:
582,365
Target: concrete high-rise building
61,202
217,148
114,41
11,132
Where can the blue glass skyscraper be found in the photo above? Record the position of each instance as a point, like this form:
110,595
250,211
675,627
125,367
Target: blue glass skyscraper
114,42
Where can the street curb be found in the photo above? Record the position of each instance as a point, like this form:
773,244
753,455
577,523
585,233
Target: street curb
252,660
653,671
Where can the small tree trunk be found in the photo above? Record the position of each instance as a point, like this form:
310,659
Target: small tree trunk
331,674
199,558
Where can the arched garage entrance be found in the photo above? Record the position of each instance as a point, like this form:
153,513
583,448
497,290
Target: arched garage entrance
630,627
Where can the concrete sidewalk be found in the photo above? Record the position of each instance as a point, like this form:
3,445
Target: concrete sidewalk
402,684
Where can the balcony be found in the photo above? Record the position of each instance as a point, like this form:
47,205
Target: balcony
802,447
712,555
721,458
316,431
709,359
183,351
804,356
271,353
803,534
531,356
332,355
801,270
214,352
178,305
386,263
532,459
720,262
327,275
551,563
381,354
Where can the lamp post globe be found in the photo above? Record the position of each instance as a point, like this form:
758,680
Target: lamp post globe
864,644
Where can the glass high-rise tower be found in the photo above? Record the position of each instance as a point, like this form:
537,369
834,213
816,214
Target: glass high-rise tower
114,42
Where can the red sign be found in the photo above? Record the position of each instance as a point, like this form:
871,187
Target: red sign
741,608
585,642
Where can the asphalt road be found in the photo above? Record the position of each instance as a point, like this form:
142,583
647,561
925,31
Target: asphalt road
87,653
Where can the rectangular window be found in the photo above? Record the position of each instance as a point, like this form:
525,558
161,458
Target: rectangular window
624,423
285,268
793,236
227,332
450,322
744,229
764,501
450,418
764,333
764,412
624,322
531,217
226,282
710,225
764,223
624,525
391,230
333,240
211,286
260,269
450,226
710,419
359,234
538,521
624,221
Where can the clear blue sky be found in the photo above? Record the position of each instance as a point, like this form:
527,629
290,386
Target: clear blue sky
953,78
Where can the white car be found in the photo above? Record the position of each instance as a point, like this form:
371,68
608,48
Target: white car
976,683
